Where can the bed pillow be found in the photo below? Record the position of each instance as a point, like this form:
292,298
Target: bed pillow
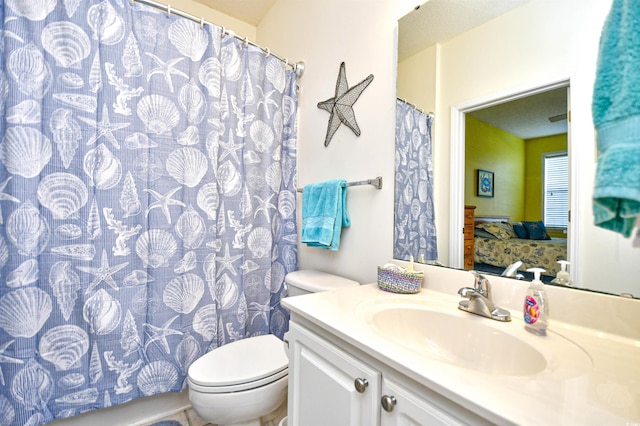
479,232
536,230
520,230
502,231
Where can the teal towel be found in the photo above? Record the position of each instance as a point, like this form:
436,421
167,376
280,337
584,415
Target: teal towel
616,115
324,213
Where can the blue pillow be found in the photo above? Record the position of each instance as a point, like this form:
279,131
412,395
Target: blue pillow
520,231
536,230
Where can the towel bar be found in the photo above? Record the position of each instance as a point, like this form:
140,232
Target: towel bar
377,182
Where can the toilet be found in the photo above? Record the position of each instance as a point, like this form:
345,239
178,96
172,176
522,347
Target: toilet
238,383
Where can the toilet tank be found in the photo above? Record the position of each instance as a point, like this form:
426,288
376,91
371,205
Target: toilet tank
307,281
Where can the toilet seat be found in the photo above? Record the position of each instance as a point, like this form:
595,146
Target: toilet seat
241,365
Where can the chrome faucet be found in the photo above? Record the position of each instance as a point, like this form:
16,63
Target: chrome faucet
479,300
511,271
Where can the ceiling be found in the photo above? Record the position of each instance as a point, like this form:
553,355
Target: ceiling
528,117
249,11
437,21
434,21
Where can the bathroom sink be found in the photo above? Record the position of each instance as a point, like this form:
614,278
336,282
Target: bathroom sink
441,332
466,342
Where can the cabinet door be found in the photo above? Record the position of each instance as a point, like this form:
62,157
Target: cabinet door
322,384
401,407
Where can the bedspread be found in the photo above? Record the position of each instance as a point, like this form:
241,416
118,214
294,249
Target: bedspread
533,253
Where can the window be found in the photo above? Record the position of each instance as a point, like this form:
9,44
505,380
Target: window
556,190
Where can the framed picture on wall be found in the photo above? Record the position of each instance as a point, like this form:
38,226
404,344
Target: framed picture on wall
485,183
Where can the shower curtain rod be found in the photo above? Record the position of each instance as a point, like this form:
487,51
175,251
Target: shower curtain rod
298,67
430,114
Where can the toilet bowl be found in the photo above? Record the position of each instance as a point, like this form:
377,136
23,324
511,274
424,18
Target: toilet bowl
240,382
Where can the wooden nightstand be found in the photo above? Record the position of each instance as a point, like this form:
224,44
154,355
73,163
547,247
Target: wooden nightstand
469,216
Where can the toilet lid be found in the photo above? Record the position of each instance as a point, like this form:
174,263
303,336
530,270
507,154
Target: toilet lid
244,361
316,281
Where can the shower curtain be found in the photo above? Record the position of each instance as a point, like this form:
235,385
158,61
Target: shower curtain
147,201
415,228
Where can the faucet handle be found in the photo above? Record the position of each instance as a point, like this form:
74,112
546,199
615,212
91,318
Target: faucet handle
481,284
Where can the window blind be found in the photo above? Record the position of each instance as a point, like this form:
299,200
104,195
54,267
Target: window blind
556,190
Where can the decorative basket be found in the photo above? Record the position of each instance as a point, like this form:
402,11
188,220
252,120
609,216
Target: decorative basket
399,281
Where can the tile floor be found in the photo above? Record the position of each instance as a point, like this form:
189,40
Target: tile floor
183,418
190,418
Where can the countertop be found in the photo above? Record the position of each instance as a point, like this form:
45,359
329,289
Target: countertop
604,391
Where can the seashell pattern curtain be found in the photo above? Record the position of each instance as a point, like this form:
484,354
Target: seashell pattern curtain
415,226
147,201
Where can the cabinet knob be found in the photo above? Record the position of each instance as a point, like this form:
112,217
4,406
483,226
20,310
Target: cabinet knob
361,384
388,402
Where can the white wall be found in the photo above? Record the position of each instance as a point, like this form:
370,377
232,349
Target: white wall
210,15
362,34
540,41
417,79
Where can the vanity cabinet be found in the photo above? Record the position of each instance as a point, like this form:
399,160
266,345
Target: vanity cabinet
329,385
402,407
469,246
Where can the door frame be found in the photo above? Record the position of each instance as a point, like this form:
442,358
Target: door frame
457,167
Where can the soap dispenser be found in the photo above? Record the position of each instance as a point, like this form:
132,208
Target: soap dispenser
562,278
536,305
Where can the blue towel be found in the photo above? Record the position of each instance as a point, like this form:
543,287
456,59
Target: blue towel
616,115
324,213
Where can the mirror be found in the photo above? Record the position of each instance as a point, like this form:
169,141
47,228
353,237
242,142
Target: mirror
473,58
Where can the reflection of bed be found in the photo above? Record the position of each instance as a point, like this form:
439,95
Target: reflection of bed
533,253
504,251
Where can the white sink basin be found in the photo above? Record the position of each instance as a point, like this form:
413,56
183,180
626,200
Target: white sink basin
466,342
446,334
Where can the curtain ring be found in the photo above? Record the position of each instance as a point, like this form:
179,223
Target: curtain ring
224,31
202,22
286,62
245,40
168,11
267,51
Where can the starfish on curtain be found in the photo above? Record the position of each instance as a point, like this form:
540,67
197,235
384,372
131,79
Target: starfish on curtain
163,201
103,273
166,69
104,128
229,149
264,206
226,262
265,100
161,333
341,105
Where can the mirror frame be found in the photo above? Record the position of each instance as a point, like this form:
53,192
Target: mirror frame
457,168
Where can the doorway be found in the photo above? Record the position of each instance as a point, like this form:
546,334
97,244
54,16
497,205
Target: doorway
481,108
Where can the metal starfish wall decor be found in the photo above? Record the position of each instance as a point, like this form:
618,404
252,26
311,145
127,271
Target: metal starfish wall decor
341,105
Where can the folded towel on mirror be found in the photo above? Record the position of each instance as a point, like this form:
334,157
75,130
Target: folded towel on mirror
616,116
324,213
